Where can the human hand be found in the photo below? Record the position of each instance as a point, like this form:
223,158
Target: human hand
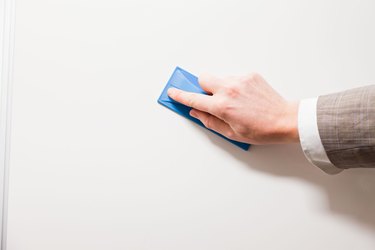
245,109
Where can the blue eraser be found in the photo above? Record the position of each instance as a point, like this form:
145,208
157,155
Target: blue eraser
181,79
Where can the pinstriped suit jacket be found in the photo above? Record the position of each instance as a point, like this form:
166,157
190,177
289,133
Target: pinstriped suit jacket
346,123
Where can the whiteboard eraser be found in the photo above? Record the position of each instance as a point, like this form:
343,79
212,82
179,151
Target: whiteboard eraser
181,79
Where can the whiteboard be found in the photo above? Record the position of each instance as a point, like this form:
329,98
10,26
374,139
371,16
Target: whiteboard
96,163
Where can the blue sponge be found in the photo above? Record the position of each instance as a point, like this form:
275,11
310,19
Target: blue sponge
183,80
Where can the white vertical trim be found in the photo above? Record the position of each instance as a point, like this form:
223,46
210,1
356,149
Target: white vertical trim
7,22
309,137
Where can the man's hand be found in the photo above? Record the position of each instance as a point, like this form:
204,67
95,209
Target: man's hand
244,109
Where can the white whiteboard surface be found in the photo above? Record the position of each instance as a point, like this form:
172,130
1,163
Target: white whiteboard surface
96,163
7,8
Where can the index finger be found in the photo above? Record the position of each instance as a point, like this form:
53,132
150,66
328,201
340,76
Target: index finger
197,101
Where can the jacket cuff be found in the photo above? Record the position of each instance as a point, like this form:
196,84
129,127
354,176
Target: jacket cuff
310,139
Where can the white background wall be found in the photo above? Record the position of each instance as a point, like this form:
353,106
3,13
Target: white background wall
96,163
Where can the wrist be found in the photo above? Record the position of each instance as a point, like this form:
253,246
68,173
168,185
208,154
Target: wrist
287,127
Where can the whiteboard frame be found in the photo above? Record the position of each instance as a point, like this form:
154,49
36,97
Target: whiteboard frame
7,23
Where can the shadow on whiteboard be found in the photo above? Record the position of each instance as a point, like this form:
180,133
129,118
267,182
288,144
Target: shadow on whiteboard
350,193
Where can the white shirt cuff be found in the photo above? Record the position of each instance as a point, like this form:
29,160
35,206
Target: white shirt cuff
310,139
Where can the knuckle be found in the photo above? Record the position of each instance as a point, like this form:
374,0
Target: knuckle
226,113
223,108
190,101
242,130
232,91
208,122
229,134
216,107
227,110
252,77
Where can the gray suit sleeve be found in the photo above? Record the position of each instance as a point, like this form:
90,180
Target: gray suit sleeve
346,123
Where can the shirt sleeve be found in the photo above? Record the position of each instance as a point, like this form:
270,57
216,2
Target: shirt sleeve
310,139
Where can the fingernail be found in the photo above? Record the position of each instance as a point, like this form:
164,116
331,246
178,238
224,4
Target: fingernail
193,113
